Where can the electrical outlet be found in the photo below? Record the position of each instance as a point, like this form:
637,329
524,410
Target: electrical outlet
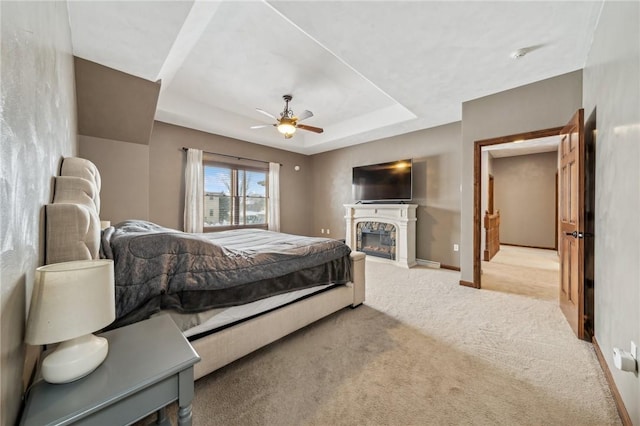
322,231
456,247
328,231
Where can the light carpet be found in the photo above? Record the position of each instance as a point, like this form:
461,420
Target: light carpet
422,350
523,270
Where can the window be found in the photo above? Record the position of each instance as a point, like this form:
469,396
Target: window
235,196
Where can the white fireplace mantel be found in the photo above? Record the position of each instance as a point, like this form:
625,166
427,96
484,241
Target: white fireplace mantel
402,216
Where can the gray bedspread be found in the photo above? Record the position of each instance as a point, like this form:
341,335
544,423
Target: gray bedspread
160,268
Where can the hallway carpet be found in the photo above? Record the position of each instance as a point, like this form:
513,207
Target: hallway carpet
525,271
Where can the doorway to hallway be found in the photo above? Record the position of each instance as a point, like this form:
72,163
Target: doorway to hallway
525,271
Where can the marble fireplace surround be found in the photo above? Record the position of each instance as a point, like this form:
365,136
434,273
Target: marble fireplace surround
402,216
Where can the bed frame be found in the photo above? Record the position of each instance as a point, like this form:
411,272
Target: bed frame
73,233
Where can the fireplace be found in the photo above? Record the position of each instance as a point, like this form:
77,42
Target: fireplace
377,239
385,232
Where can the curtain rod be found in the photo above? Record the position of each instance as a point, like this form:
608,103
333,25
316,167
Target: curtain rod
233,156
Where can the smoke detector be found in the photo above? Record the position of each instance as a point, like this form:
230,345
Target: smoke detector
517,54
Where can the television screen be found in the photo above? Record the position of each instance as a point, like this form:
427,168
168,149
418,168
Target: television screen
383,182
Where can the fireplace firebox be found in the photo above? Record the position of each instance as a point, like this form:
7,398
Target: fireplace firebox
377,239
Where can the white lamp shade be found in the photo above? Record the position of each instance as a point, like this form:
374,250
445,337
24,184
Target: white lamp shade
286,128
71,299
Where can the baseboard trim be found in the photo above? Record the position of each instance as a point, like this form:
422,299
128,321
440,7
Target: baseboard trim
428,263
622,410
468,284
452,268
525,246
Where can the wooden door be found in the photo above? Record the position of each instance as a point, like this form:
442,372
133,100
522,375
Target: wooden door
492,234
571,194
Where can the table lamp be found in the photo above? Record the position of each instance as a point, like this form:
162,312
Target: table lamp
70,301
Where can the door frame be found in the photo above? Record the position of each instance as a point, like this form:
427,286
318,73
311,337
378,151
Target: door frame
490,200
477,189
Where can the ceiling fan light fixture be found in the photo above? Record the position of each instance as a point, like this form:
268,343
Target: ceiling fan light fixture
288,123
286,126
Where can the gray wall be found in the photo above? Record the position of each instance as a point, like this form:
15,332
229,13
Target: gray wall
124,168
166,175
541,105
525,194
612,88
38,129
115,118
436,156
114,105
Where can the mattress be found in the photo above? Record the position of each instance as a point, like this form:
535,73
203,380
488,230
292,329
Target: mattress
158,268
194,325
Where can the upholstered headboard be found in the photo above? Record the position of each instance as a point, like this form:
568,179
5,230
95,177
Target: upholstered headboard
73,219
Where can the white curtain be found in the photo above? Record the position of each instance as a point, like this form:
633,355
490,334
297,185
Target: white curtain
274,197
194,192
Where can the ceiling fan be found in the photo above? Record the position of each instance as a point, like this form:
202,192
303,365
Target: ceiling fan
288,123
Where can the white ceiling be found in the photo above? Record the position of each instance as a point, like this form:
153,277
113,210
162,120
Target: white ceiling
367,70
524,147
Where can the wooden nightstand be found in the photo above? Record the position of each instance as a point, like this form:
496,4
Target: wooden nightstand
149,365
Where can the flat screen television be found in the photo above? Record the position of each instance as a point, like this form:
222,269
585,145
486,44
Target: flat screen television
383,182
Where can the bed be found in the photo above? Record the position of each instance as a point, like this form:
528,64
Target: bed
230,292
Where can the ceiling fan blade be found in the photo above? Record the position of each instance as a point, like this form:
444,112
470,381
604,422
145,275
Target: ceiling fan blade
310,128
305,114
260,126
261,111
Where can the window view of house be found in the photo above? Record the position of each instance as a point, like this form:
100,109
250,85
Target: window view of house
234,196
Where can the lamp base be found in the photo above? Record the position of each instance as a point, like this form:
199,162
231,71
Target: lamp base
74,359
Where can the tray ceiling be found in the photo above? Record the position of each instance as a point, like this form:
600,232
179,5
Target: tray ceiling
367,70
